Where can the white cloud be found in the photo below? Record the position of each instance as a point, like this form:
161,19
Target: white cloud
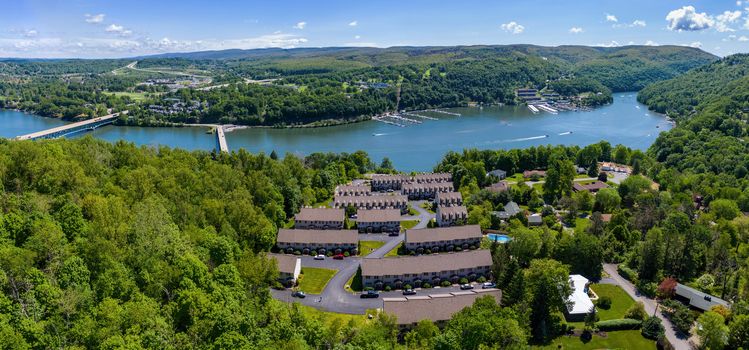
353,23
738,3
357,37
651,43
696,44
635,23
300,25
726,18
639,23
512,27
95,19
30,33
688,19
611,18
613,43
743,38
576,30
118,29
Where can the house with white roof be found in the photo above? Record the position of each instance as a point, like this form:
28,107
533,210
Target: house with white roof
578,303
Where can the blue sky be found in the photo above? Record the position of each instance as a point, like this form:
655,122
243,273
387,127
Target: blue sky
86,28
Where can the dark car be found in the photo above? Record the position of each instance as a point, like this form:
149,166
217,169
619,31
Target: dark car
370,294
393,234
299,294
338,257
466,286
409,292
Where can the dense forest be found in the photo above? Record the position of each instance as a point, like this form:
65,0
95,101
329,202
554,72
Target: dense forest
331,85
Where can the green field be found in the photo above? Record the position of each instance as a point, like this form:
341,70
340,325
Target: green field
405,225
313,279
366,247
620,301
613,340
135,96
330,317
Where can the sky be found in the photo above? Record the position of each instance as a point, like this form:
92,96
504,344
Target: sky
105,29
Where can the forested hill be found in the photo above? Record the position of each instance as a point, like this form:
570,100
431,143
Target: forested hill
710,104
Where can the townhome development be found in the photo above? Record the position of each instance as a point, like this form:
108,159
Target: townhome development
432,177
443,239
433,269
372,202
449,216
319,241
289,268
425,190
437,308
378,220
382,182
353,190
448,199
319,218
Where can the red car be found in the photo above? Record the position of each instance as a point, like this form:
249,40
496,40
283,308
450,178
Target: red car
338,257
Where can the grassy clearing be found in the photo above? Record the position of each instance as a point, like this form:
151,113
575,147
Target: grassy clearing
614,340
394,252
135,96
330,317
367,247
428,207
412,211
313,279
408,224
620,301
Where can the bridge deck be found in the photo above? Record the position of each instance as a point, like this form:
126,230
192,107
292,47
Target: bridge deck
222,145
71,126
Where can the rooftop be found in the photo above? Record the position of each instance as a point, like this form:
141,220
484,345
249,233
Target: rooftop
454,210
318,236
697,299
286,263
435,307
378,215
511,209
425,263
580,301
443,233
449,195
320,214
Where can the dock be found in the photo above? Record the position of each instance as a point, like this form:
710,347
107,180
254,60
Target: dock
71,128
443,112
533,109
546,108
412,114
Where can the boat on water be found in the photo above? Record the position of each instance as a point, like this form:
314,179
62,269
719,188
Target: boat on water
533,108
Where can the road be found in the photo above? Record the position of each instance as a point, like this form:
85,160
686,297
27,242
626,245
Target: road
423,217
679,343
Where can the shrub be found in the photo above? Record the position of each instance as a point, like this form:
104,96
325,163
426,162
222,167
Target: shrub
627,273
481,279
407,286
388,288
679,314
366,289
428,251
648,289
604,302
463,280
458,248
313,252
636,312
346,254
446,283
296,252
618,324
426,285
652,328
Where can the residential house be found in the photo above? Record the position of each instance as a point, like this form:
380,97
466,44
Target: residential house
289,268
592,187
319,241
433,269
697,299
450,216
448,199
511,209
501,186
499,173
438,308
578,303
443,239
425,190
535,220
381,201
319,218
532,173
378,220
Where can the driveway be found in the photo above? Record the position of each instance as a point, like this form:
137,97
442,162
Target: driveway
424,216
650,305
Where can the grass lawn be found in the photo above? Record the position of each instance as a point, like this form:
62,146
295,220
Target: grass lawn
405,225
330,317
516,177
394,252
313,279
428,207
366,247
620,301
412,211
135,96
581,224
614,340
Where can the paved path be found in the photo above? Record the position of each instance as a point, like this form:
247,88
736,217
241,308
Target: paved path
424,215
678,342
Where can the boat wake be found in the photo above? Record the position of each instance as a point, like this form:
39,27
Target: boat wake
520,139
380,134
565,133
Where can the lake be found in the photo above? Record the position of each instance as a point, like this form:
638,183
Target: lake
413,148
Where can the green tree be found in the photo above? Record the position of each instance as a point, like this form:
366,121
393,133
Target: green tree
713,332
548,288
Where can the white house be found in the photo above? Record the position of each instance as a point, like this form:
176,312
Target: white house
578,303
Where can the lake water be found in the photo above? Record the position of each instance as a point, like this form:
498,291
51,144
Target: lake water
413,148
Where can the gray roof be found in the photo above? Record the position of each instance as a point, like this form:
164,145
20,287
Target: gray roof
536,219
446,185
455,212
435,307
443,234
317,236
286,263
511,209
320,214
425,263
378,215
449,196
699,300
497,173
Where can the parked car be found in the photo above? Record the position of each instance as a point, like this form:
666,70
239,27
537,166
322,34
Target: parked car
319,257
370,294
409,292
299,294
488,285
394,234
338,257
466,286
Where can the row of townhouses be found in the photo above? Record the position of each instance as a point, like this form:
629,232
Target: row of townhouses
433,269
386,182
319,241
443,239
451,216
382,201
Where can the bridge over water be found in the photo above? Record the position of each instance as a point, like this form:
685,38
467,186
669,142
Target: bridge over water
72,128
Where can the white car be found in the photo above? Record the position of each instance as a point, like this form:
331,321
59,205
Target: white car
320,257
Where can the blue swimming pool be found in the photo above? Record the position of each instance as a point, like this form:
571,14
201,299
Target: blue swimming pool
498,238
